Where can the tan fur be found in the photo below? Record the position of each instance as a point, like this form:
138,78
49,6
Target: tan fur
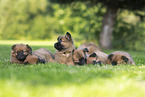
83,53
41,53
90,60
31,59
103,57
78,54
91,47
117,56
64,56
19,47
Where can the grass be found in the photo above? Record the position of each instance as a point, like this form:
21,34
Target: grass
59,80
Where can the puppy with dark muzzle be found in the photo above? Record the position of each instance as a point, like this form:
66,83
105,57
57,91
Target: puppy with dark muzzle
41,55
120,57
92,59
19,53
81,57
102,58
64,47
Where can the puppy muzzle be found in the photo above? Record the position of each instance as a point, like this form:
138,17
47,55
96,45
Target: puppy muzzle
20,56
58,46
82,61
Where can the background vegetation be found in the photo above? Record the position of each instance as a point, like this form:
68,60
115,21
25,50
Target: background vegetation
42,19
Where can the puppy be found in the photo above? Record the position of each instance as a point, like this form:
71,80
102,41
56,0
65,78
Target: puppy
120,57
19,53
41,55
64,47
102,57
91,47
92,59
80,57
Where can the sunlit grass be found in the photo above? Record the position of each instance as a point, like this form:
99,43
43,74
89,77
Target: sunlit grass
120,86
30,42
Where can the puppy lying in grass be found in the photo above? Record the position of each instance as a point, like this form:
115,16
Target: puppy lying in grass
120,57
41,55
81,57
19,53
93,48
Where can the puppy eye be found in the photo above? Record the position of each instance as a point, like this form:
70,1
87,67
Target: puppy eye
62,40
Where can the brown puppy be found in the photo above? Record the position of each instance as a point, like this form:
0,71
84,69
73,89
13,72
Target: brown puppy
102,57
92,59
80,57
120,57
64,47
19,53
91,47
41,55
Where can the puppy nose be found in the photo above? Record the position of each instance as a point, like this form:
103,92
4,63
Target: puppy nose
56,45
20,56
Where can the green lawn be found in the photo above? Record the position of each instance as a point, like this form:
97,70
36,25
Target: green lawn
58,80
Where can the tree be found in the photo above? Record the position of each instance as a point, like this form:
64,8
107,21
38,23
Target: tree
112,7
110,17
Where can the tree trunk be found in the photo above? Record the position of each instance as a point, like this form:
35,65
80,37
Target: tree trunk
107,27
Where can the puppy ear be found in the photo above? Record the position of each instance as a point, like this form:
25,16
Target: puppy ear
58,39
93,55
125,58
110,56
85,50
13,47
29,48
68,36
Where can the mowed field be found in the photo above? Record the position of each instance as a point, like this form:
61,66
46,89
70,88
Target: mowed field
59,80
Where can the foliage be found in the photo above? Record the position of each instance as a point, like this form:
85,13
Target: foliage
41,19
53,80
129,32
